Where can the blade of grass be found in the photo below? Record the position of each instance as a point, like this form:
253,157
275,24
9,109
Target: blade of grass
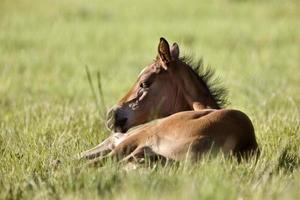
101,96
92,87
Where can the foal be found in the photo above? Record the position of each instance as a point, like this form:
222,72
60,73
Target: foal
167,86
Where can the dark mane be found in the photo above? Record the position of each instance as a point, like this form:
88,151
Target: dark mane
206,75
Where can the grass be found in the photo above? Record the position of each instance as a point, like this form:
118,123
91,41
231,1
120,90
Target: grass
48,111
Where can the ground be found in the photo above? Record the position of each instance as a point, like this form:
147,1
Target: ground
48,110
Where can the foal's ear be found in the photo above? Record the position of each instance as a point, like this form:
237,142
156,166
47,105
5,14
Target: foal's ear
164,52
175,51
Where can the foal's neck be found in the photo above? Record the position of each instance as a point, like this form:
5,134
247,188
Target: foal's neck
194,89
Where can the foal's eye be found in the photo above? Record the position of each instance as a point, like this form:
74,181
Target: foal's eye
144,85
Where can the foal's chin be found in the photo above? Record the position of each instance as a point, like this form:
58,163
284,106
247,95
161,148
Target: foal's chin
130,125
119,129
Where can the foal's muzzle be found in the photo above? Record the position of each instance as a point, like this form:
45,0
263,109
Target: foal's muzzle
116,120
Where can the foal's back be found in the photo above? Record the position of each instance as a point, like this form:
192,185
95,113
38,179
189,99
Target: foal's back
195,132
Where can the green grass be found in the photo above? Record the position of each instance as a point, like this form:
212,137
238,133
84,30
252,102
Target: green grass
47,109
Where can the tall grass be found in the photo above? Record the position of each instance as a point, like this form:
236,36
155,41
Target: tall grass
48,111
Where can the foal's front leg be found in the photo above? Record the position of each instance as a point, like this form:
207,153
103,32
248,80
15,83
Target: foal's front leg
144,152
118,150
104,147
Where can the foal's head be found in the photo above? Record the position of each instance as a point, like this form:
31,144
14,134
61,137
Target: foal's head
166,86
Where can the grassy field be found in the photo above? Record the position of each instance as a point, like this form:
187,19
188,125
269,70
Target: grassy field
48,112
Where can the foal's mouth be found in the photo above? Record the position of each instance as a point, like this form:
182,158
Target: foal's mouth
117,129
117,126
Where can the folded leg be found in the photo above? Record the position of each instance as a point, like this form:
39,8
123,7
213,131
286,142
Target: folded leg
104,147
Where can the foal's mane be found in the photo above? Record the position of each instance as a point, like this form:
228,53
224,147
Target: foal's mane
206,76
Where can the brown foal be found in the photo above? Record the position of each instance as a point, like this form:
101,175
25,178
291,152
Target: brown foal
192,119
